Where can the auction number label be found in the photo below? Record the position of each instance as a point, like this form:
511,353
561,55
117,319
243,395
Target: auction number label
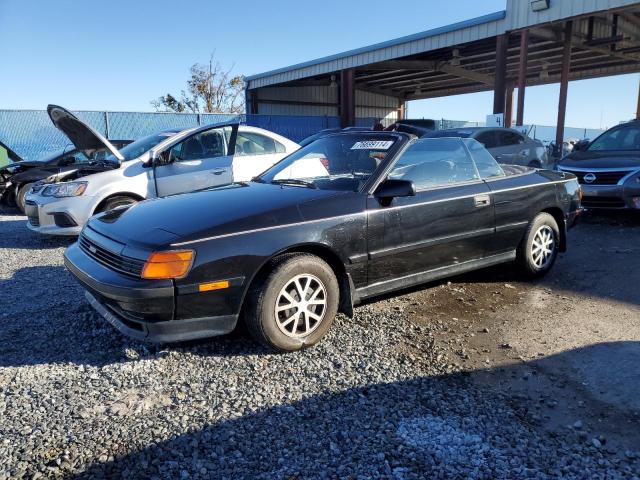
372,145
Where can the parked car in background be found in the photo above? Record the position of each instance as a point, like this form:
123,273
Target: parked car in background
508,146
608,168
378,212
165,163
18,176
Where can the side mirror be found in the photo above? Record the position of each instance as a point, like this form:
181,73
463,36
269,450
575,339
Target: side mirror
155,159
391,188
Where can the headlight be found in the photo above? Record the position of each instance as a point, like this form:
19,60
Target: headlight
71,189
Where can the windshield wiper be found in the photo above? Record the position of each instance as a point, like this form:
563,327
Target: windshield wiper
294,181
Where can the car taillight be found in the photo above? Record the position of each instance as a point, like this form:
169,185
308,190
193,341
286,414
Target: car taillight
166,265
325,162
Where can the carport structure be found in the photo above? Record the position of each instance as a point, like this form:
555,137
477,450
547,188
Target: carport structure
532,42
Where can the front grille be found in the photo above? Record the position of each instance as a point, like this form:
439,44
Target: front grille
121,264
602,202
602,178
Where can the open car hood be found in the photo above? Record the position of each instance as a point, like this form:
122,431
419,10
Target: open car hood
81,135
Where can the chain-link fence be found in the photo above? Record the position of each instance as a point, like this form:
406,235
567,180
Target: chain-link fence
31,134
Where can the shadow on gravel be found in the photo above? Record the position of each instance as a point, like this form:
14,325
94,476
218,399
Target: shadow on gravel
16,235
428,427
45,319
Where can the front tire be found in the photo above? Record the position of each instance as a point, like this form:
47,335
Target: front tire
115,202
293,305
21,194
539,248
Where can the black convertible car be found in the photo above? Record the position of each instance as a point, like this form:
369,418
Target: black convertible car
17,177
349,216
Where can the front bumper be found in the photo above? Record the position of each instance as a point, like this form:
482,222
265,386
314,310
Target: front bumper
142,309
616,197
57,216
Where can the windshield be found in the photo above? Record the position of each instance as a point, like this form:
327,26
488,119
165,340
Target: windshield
620,139
449,133
142,145
336,162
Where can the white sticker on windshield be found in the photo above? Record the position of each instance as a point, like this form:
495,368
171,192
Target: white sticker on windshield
373,145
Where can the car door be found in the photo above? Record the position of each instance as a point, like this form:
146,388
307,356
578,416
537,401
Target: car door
449,221
201,160
254,154
510,148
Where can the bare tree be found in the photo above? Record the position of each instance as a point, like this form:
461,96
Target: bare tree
210,89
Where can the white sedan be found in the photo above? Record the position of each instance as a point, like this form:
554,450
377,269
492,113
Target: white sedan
165,163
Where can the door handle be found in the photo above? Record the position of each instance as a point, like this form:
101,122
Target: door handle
220,171
482,200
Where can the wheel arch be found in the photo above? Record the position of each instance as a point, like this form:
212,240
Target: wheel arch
326,253
558,216
102,202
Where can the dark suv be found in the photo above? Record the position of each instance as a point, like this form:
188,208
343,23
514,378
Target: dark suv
608,168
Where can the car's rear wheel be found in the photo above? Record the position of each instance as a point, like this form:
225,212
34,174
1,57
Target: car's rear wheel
539,248
293,305
115,202
21,194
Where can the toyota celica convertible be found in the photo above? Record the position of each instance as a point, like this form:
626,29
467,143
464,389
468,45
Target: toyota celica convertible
350,216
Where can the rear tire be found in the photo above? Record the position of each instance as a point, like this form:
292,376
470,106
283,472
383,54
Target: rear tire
116,202
21,194
539,248
310,315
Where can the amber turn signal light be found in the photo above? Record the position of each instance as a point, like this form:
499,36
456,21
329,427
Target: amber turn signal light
208,287
172,264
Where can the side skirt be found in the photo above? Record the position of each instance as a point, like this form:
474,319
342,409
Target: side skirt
431,275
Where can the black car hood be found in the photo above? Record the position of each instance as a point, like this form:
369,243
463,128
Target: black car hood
601,159
60,173
219,211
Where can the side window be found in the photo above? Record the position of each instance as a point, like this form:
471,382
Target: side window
486,164
249,143
434,162
506,138
280,147
208,144
488,139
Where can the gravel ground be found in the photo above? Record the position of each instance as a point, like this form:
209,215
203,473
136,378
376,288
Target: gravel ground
404,390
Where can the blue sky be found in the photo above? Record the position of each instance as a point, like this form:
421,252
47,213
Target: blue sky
119,55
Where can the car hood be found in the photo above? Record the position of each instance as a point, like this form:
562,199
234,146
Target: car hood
81,135
601,159
58,174
218,211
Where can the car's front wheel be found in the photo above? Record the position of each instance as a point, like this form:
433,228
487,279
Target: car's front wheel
539,248
21,194
115,202
293,305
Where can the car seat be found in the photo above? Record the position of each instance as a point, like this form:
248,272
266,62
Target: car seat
192,149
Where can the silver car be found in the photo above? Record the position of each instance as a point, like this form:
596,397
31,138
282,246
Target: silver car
508,146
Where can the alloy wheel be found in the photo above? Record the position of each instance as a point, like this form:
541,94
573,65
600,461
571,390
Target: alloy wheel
301,306
543,246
